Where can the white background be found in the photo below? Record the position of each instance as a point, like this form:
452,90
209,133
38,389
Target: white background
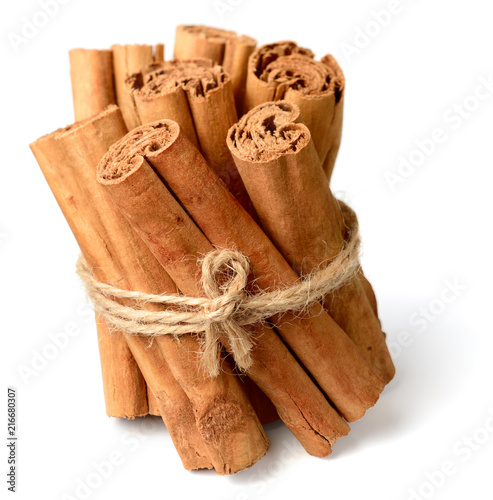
410,78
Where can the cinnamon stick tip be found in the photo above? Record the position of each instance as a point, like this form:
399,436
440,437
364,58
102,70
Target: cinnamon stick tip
268,131
126,156
74,127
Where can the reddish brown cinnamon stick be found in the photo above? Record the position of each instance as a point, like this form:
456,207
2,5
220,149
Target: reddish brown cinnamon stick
282,172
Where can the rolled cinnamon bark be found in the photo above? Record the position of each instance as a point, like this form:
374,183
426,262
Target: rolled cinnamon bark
285,71
127,60
221,46
198,95
324,349
281,170
91,73
179,245
210,420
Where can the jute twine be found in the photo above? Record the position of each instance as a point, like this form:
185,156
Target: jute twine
228,306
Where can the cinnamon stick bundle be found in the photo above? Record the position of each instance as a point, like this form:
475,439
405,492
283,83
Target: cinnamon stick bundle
127,60
210,421
91,73
285,71
222,47
284,178
199,96
324,349
133,185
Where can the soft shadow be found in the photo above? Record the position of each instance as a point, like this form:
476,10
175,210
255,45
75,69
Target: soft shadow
428,370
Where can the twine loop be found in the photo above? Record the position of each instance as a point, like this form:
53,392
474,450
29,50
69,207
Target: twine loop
226,292
227,306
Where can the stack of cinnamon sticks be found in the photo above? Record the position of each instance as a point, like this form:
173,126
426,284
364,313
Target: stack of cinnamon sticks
226,146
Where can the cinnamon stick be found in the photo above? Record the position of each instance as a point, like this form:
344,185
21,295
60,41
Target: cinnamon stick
124,387
324,349
123,384
179,245
282,172
221,46
127,60
91,73
285,71
210,420
205,114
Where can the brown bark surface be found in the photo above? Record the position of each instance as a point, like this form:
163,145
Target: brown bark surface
282,173
210,420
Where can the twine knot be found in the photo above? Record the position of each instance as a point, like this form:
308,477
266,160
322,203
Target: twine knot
224,279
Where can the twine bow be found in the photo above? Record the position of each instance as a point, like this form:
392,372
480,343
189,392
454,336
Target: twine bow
225,303
227,307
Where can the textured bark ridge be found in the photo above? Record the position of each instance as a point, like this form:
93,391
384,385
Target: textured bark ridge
221,46
284,178
118,256
285,71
